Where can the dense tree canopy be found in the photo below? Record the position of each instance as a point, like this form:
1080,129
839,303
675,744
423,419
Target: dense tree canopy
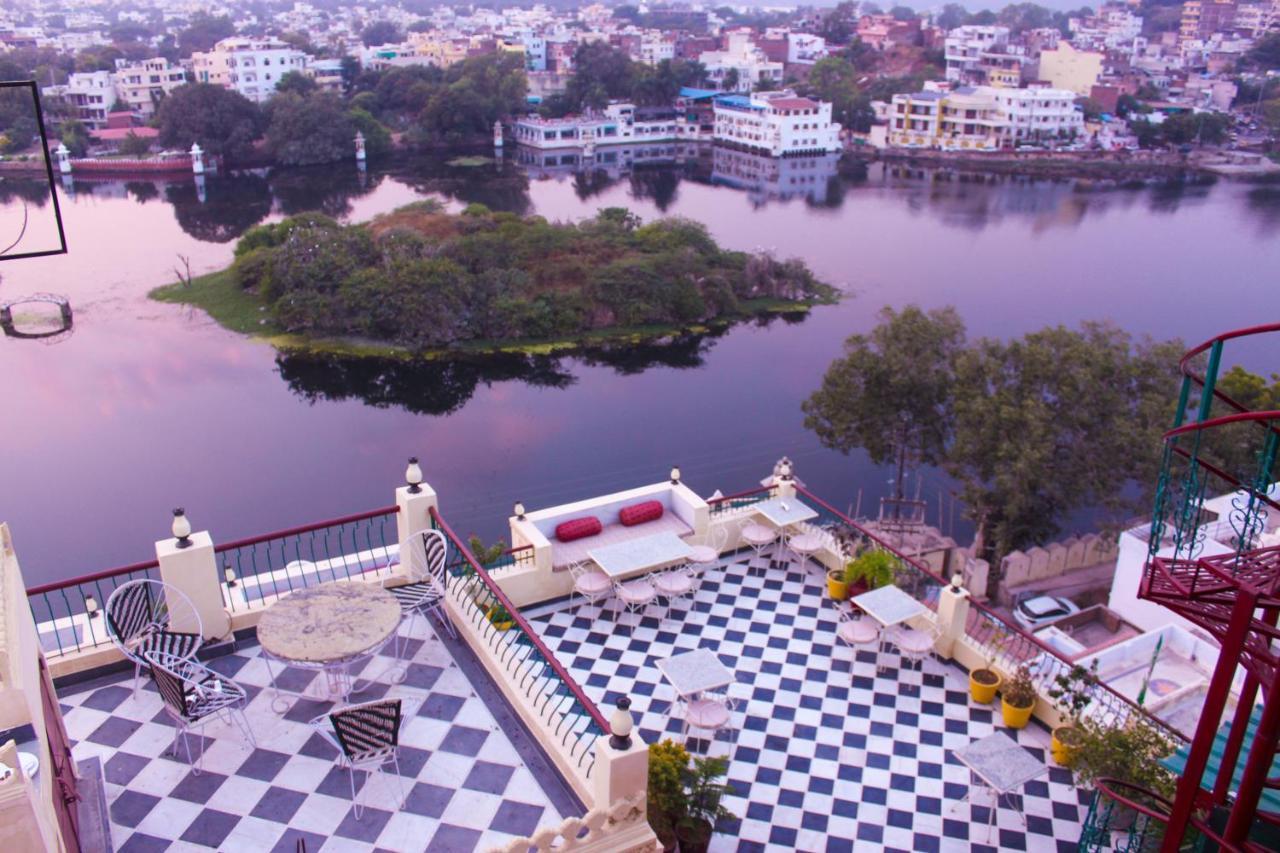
422,278
1032,428
1265,53
381,32
306,130
225,123
204,32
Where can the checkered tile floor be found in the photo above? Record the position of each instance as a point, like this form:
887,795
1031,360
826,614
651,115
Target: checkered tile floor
823,760
467,787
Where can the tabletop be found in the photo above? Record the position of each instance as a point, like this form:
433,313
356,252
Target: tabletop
637,555
783,512
1000,762
889,605
693,672
328,623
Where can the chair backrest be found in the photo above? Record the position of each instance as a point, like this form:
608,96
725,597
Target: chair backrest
367,729
580,568
131,610
427,552
172,687
718,537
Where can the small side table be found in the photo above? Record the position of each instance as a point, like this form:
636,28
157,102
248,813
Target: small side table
1002,766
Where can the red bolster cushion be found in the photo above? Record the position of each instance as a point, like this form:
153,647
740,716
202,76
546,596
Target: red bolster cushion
640,513
578,528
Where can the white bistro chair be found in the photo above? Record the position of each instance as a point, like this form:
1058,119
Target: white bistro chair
367,737
677,583
635,595
808,540
914,644
193,694
423,559
712,547
757,536
709,712
857,631
589,583
141,619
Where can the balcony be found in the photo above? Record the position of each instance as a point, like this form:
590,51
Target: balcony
505,738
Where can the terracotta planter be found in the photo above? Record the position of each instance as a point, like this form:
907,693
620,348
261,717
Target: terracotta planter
694,836
1064,744
836,587
983,684
1015,717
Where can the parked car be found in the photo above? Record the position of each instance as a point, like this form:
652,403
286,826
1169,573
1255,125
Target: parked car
1031,613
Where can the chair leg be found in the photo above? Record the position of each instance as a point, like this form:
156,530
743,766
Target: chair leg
137,676
356,807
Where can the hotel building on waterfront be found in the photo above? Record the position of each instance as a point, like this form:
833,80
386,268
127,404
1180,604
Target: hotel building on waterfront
982,118
250,66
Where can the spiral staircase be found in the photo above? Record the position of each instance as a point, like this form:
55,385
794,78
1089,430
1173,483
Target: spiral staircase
1222,575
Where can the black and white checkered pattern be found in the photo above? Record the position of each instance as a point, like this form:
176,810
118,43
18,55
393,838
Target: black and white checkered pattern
826,758
466,786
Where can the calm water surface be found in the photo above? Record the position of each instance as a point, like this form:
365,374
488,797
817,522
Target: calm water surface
147,406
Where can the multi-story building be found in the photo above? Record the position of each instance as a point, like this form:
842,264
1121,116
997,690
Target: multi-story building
779,124
1255,20
1114,27
1065,67
142,85
250,66
982,118
620,123
964,48
89,94
1203,18
742,59
885,31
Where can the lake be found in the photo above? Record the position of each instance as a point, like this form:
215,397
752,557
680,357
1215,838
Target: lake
144,407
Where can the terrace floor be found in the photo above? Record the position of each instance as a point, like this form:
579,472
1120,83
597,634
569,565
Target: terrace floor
822,761
473,779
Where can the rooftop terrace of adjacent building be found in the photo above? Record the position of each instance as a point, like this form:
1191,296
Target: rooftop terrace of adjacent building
515,730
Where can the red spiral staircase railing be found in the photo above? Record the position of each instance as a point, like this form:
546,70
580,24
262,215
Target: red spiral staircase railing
1232,592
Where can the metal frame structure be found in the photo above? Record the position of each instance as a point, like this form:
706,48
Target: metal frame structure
1234,596
48,167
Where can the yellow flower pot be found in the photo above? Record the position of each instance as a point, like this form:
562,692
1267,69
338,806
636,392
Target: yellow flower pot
836,587
984,691
1015,718
1061,745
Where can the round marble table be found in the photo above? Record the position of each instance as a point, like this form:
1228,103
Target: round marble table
329,627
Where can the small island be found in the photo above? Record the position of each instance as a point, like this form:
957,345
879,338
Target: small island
420,280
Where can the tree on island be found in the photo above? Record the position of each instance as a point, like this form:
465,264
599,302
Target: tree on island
1033,429
224,123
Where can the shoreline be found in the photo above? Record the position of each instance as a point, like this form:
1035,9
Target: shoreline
244,313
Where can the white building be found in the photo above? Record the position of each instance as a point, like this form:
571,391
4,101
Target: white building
742,56
250,66
964,48
620,123
90,94
143,84
982,118
1114,27
779,124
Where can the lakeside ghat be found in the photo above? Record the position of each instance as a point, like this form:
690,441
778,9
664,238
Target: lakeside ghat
418,279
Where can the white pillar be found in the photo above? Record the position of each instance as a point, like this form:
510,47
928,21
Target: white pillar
197,158
415,510
953,614
622,761
63,153
360,153
497,134
194,571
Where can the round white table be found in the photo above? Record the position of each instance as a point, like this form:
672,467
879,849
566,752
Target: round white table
329,627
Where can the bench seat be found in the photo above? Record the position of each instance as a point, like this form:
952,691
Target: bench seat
565,553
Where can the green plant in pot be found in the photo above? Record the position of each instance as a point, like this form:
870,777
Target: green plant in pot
1071,693
1129,752
668,762
704,803
869,570
985,680
1018,699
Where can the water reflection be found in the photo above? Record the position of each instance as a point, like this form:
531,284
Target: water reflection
1264,203
323,188
233,203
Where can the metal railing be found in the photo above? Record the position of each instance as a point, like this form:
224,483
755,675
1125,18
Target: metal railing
559,701
731,503
69,614
1004,642
521,555
260,569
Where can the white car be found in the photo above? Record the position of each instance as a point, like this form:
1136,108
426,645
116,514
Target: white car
1031,613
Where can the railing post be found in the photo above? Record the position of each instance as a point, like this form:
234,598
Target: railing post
622,761
415,510
953,614
194,570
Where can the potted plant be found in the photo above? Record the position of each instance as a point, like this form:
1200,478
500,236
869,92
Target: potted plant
499,616
667,805
985,681
1018,699
837,581
704,798
869,570
1129,752
1071,693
